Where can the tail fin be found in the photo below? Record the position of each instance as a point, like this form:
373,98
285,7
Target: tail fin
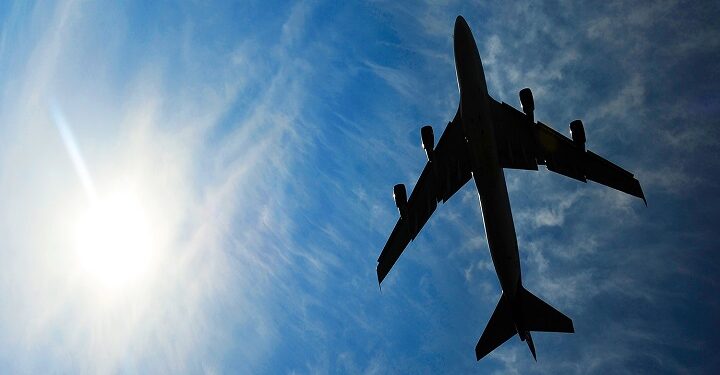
535,315
498,330
539,316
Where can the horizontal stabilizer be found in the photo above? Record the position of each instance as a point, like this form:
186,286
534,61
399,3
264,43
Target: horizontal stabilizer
498,330
541,317
533,315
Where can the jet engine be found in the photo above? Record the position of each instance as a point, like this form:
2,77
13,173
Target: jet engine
400,197
527,102
428,141
577,132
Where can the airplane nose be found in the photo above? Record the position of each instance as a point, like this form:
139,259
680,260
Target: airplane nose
463,39
468,66
461,27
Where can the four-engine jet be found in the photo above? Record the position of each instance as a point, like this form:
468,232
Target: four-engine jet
484,137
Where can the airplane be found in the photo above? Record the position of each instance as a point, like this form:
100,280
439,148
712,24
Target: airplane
483,139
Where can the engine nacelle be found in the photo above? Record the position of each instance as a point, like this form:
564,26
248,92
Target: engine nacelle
428,141
577,132
400,197
527,102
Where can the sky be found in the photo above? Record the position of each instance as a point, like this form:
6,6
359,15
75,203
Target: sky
204,187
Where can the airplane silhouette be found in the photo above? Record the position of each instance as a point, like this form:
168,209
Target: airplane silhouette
484,137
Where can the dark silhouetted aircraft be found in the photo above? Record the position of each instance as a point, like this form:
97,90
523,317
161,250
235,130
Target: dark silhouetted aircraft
484,137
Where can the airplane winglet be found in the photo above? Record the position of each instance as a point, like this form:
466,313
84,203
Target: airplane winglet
380,279
642,193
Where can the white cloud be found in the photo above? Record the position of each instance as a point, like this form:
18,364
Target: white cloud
264,245
212,216
395,78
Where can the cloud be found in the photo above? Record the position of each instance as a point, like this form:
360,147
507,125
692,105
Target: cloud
629,99
395,79
267,152
627,73
214,266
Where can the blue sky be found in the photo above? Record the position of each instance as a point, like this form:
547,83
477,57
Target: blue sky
248,150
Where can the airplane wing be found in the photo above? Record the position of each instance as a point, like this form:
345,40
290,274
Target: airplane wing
440,179
525,145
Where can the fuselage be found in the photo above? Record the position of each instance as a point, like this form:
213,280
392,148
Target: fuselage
486,170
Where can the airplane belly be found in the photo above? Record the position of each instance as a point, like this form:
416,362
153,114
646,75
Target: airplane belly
487,172
489,178
499,230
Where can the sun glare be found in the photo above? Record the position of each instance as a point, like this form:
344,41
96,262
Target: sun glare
114,241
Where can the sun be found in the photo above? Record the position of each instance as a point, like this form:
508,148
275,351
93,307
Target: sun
114,241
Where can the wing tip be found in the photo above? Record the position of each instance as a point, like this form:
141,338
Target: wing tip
479,353
642,194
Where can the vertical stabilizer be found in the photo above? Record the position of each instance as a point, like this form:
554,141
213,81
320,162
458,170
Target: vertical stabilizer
531,345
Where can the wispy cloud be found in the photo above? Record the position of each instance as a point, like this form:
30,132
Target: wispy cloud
214,265
615,69
395,78
265,154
